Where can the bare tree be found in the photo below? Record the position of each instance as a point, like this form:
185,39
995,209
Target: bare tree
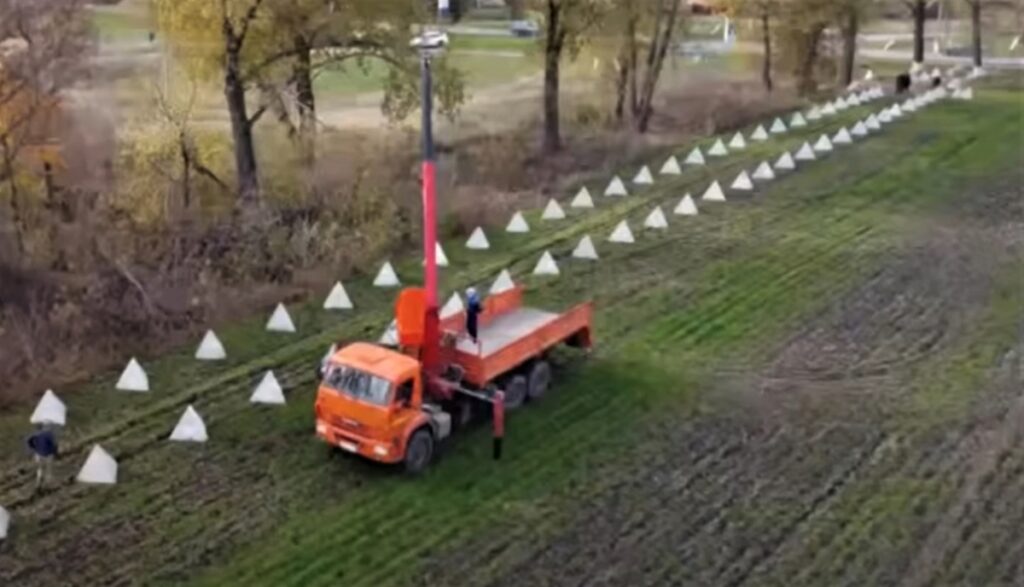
566,24
42,48
975,7
919,12
664,32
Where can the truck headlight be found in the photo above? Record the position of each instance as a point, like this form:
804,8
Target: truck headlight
321,428
381,451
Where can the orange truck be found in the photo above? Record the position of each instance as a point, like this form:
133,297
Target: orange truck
394,405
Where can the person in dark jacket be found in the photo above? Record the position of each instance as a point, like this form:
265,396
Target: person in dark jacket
43,444
473,309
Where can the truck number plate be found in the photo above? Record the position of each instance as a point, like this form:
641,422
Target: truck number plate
349,446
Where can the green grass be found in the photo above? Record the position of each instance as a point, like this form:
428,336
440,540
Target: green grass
262,503
120,26
468,54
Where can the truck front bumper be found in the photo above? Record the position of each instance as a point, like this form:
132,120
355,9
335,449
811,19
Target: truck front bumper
347,441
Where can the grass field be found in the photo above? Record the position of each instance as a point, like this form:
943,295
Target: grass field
813,385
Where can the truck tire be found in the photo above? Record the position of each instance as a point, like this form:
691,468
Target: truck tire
516,390
540,380
419,451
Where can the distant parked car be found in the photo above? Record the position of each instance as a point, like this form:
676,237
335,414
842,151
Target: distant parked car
524,28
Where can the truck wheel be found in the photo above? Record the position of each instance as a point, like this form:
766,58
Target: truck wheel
540,379
516,389
419,451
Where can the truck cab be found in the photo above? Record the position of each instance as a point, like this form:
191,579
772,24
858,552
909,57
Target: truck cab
371,402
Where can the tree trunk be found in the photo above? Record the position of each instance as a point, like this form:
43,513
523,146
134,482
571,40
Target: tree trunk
241,128
919,12
621,80
517,9
302,72
664,30
631,47
552,63
850,46
766,64
976,30
806,84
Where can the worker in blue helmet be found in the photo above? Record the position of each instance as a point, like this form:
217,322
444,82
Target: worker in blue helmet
473,309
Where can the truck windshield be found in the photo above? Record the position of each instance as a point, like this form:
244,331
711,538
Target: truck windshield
358,384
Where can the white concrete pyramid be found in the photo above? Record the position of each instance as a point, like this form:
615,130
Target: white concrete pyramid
585,249
778,127
686,207
910,106
99,469
853,100
872,122
453,306
656,219
896,111
478,240
718,149
643,177
386,277
842,137
502,283
840,104
439,257
977,72
759,134
133,378
280,320
329,354
737,142
785,162
829,109
696,157
268,391
338,298
964,94
616,188
806,153
714,193
517,225
742,182
190,427
860,129
622,234
582,199
553,211
210,348
884,117
546,265
49,410
823,145
814,113
390,336
763,172
5,523
797,121
671,167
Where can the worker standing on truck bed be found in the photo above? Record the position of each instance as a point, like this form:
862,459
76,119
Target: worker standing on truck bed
472,313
